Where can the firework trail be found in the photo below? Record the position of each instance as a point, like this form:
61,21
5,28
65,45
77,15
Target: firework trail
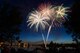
44,39
59,17
46,11
49,31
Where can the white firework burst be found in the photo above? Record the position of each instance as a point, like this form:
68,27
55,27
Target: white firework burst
37,20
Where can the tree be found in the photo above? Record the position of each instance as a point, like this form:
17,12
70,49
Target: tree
10,20
73,23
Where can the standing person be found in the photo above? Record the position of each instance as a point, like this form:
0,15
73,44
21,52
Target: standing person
12,50
0,49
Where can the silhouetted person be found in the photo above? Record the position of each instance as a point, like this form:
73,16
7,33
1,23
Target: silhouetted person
12,50
52,48
62,49
0,49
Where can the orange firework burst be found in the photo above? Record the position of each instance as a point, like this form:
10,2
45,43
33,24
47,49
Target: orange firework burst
46,9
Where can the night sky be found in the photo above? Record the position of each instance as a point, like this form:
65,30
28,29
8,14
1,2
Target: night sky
56,35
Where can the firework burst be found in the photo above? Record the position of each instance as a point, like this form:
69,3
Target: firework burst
61,11
46,9
37,20
46,12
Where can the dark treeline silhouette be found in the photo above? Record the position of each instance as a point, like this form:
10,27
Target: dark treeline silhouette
73,23
55,48
10,20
